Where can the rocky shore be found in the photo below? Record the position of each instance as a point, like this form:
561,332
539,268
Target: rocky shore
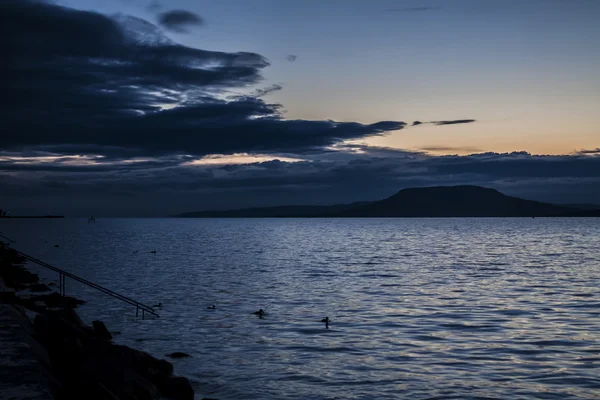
77,361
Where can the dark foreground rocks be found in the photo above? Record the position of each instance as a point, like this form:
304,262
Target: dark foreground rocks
87,363
178,354
82,360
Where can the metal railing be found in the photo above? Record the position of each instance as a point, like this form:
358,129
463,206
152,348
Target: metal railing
62,274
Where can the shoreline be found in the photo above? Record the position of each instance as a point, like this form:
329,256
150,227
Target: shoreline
75,361
32,216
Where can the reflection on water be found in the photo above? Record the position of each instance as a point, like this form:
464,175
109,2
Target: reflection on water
419,308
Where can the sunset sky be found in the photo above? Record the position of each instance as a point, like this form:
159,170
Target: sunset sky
187,103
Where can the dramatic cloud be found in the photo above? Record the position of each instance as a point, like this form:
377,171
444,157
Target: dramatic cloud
291,57
179,20
440,123
75,78
154,6
458,121
451,149
590,151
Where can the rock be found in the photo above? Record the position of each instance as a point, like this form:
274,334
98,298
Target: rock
16,276
50,329
100,330
64,342
38,287
86,390
119,379
178,354
56,300
148,367
176,387
69,315
6,293
30,304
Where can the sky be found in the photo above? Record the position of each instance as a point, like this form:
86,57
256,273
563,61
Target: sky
150,108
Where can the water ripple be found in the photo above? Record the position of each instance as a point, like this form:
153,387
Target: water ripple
419,308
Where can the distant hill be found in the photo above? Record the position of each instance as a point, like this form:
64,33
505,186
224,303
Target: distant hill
455,201
582,213
582,206
440,201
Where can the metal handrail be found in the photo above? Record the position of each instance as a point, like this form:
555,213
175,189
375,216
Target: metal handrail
62,274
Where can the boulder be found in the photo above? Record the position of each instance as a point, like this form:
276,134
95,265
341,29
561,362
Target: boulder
7,294
16,276
56,300
178,354
119,379
38,287
176,387
86,390
69,315
50,330
142,363
100,330
64,343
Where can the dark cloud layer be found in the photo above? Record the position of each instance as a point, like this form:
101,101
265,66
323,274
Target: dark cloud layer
353,173
458,121
452,149
77,79
440,123
590,151
179,20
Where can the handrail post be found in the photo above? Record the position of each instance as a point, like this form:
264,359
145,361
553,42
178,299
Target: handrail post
62,275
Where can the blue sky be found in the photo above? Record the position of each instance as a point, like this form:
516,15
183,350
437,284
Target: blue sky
526,70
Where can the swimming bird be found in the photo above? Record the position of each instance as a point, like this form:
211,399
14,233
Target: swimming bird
135,252
260,313
153,252
326,320
157,305
56,245
213,307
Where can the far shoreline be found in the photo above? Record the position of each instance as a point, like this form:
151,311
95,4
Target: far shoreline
32,216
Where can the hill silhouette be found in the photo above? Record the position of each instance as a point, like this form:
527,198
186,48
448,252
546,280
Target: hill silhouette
439,201
455,201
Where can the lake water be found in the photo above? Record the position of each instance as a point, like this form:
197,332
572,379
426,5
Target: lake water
420,308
